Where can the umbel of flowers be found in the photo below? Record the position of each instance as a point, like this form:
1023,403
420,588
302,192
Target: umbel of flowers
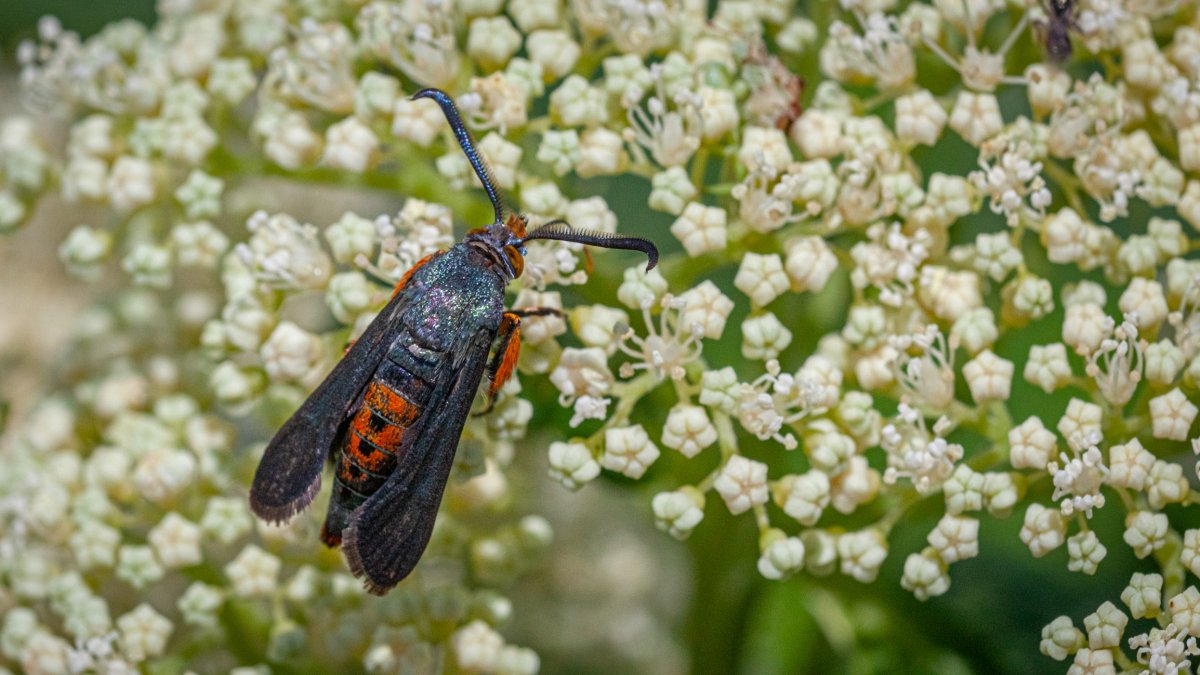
980,221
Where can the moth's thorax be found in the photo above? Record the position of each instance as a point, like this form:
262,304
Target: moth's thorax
456,294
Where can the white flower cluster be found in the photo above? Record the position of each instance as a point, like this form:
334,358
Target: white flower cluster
857,297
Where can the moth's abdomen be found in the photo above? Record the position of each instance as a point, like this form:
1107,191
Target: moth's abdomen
380,433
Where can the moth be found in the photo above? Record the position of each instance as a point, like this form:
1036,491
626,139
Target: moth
390,413
1055,31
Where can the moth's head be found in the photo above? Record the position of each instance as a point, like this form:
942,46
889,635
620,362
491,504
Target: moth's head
507,238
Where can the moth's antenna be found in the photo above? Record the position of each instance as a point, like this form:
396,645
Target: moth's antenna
561,230
468,146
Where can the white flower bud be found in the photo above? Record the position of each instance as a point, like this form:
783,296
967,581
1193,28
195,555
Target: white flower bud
572,464
976,117
783,557
476,647
764,337
955,538
989,377
492,40
1143,595
1085,552
678,513
1048,367
818,134
1171,415
706,307
1145,532
804,496
641,288
862,553
292,353
700,229
742,483
925,575
176,541
628,450
919,118
1044,529
688,430
761,277
1060,638
810,263
554,51
1031,445
254,572
1105,626
350,146
143,633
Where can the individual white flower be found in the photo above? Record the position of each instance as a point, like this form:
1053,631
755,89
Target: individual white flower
149,265
862,553
919,118
418,121
1145,532
143,633
1143,595
581,372
671,190
254,572
226,519
762,146
1031,298
1063,235
679,512
639,287
1144,300
1171,415
989,377
131,183
1166,484
572,464
1080,423
137,566
476,647
1185,610
350,145
761,277
782,557
809,264
162,474
949,294
707,307
742,483
855,486
1031,445
764,337
700,229
176,541
492,40
198,244
600,152
804,496
688,430
290,142
628,450
560,150
1044,529
1047,366
83,251
1164,361
1085,552
976,117
292,353
925,575
349,294
1129,465
955,538
94,544
199,604
1105,626
975,330
553,50
1060,638
818,133
514,660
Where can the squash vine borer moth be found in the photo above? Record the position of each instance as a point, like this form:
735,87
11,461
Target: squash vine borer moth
390,414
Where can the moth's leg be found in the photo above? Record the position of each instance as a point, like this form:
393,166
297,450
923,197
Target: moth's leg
538,311
504,362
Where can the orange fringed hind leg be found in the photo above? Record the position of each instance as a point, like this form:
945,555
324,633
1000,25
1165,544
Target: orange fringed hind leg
408,275
505,360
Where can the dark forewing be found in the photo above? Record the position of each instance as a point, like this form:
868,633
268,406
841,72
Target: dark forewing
289,474
388,533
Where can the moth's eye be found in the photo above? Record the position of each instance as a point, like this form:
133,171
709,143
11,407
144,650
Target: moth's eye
515,259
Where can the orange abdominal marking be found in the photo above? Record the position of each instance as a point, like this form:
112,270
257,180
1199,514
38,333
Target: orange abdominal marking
508,362
408,275
390,405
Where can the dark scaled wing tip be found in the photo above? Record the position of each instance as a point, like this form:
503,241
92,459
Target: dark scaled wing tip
357,568
277,514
